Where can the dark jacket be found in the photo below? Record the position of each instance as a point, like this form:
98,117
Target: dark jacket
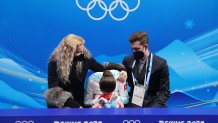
158,89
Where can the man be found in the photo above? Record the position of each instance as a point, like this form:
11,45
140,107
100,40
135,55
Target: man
148,75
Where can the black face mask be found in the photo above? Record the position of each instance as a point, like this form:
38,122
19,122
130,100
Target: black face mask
138,55
79,58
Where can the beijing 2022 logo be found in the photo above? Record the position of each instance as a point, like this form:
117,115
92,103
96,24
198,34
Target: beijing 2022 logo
92,4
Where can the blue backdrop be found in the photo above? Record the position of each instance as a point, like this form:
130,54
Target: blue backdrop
185,32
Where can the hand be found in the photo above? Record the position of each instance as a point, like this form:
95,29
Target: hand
97,105
122,77
102,101
105,64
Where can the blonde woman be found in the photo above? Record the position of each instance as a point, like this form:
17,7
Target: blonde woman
67,69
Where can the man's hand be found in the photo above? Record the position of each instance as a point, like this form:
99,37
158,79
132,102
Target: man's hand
122,77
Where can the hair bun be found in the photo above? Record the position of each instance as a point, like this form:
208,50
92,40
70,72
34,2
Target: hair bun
107,83
107,73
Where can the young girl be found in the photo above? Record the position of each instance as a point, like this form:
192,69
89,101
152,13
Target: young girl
108,99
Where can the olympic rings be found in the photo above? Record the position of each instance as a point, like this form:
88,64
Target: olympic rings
131,121
91,5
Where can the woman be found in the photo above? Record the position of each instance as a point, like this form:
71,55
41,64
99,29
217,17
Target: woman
67,69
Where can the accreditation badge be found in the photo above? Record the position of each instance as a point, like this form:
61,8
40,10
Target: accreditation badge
139,94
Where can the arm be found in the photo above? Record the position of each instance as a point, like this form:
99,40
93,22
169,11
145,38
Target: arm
55,96
97,105
89,97
115,66
120,104
97,67
121,88
122,92
129,75
164,89
71,103
52,74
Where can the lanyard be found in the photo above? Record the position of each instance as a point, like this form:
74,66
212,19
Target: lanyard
146,80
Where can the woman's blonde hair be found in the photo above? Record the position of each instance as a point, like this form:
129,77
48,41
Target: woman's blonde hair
63,54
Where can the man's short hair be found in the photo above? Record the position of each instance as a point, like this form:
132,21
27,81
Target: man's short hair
139,36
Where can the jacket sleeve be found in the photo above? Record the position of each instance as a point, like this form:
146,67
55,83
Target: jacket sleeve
121,88
115,66
89,97
97,67
55,96
123,93
164,89
129,75
52,74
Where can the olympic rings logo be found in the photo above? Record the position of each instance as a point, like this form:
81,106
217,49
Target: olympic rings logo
131,121
24,121
91,5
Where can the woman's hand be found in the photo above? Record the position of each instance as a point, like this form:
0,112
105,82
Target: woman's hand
122,77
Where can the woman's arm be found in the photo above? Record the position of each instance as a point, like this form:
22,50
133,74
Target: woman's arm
97,67
52,74
55,96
